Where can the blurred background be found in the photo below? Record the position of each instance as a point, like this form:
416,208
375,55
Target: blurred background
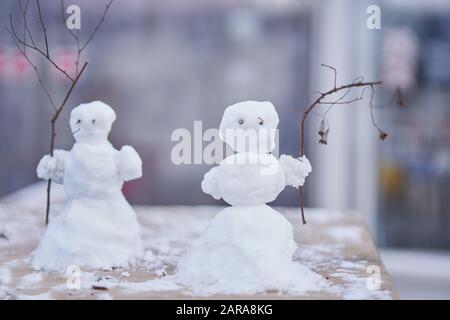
164,64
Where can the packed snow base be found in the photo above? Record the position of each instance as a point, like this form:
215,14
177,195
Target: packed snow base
248,247
244,250
97,227
167,233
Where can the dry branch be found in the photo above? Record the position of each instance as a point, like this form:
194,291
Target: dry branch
46,54
324,127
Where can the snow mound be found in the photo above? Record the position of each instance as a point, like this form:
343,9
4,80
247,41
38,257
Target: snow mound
246,250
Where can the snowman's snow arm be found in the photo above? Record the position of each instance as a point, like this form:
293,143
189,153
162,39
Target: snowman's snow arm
129,164
210,183
52,168
295,170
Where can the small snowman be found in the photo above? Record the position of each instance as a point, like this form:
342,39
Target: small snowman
97,227
249,246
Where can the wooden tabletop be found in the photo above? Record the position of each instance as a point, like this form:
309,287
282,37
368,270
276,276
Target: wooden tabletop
334,244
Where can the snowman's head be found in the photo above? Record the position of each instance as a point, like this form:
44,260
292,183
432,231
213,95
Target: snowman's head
91,122
250,126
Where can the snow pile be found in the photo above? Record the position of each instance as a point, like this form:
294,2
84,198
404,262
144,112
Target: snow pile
104,296
5,276
167,234
246,250
30,280
42,296
5,280
97,227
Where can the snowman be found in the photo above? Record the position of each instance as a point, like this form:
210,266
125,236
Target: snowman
249,246
97,228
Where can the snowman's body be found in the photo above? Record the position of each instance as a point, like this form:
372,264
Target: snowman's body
248,247
97,227
241,182
91,171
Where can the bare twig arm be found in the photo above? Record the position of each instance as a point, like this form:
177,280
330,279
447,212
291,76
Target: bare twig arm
320,100
75,81
53,133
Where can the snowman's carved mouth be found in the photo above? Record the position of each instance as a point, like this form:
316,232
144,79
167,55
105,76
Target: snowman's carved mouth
76,131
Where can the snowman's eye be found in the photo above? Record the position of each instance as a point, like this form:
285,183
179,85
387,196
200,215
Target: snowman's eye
78,121
241,121
93,121
260,121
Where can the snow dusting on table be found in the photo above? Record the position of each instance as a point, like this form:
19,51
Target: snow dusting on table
167,233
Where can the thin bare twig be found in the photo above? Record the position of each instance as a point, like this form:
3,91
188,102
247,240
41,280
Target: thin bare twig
53,134
319,100
98,25
26,29
44,30
33,66
335,73
75,36
45,52
356,83
58,111
339,101
37,49
77,60
358,98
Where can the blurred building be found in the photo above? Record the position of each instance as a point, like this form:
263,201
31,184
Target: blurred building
414,208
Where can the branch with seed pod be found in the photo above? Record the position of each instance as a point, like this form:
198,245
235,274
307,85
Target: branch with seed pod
324,126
